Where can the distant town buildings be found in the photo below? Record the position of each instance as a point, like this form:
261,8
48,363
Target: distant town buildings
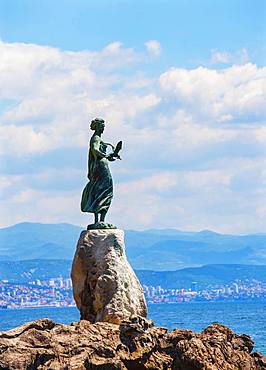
58,292
55,292
236,291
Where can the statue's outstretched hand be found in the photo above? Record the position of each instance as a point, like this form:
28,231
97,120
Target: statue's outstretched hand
116,151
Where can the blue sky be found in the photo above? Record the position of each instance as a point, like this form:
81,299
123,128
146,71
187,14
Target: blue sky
181,82
187,30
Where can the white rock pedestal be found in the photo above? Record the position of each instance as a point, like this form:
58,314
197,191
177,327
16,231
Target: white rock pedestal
104,285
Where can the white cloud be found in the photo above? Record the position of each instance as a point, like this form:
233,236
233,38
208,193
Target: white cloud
223,57
153,47
220,57
242,56
236,93
193,139
8,181
57,92
23,140
192,200
44,206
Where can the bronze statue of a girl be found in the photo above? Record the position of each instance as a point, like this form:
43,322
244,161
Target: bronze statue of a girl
98,193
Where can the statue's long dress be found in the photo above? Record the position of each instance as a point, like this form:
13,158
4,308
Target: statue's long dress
98,193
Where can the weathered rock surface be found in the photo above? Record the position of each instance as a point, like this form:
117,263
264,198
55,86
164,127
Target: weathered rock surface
134,344
105,287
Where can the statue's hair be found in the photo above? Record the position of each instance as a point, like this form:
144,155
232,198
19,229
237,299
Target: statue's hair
94,123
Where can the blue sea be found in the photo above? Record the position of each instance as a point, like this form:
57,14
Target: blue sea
248,318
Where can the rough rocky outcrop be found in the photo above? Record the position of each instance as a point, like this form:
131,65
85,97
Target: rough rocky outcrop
104,285
134,344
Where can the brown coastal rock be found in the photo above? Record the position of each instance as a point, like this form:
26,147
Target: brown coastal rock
134,344
105,286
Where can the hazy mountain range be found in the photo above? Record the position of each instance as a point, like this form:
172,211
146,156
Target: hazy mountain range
146,250
29,270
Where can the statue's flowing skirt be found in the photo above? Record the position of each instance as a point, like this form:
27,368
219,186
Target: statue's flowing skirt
98,193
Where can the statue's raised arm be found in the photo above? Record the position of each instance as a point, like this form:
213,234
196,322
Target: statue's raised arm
98,193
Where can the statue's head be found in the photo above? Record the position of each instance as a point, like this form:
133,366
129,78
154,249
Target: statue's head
98,125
